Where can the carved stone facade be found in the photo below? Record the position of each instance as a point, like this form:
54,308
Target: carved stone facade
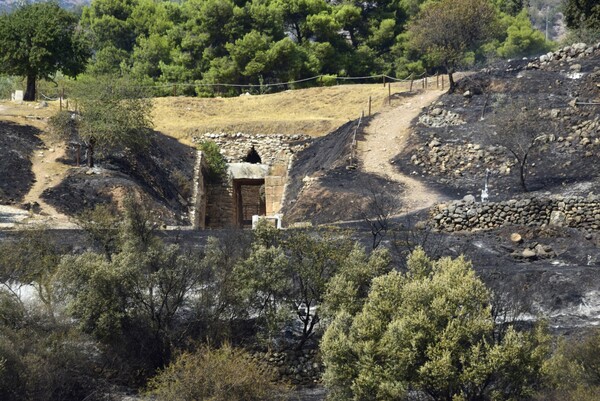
256,179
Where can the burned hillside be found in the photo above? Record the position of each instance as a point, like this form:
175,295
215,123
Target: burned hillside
453,143
162,177
17,146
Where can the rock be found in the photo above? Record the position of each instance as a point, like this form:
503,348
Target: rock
469,199
528,253
468,94
436,112
576,68
434,143
558,218
555,113
516,238
540,251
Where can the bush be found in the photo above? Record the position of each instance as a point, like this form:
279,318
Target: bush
328,80
431,331
225,374
217,166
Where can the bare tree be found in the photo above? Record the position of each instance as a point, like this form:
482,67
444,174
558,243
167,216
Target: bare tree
378,206
518,129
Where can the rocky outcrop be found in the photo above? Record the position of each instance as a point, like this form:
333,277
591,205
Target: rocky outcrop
568,53
466,214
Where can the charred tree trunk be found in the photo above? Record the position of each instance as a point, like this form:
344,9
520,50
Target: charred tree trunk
29,95
451,80
522,166
90,152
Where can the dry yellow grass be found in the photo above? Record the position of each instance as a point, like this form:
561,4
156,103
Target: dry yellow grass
313,111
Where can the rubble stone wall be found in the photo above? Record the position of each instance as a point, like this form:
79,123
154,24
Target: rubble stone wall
235,147
466,214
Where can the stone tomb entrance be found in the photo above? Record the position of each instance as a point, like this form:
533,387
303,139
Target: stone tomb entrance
248,181
249,195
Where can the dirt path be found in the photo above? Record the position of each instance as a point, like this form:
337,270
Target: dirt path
386,136
48,173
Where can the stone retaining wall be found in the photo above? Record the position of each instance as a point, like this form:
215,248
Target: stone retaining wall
298,367
467,214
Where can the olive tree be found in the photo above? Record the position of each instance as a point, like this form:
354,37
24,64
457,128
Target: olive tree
445,31
113,112
39,39
430,331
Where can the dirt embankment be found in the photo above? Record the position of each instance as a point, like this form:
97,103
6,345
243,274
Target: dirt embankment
160,176
324,188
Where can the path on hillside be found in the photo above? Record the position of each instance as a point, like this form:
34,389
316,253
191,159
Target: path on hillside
386,136
48,172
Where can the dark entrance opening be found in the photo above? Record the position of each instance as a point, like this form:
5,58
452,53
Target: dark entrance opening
249,195
253,157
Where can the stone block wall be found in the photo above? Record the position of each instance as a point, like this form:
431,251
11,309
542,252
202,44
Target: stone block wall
199,194
466,214
220,209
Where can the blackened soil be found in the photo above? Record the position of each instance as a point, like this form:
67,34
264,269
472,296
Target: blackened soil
323,189
556,167
17,144
161,177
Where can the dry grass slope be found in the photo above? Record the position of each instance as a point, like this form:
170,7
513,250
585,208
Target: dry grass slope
314,111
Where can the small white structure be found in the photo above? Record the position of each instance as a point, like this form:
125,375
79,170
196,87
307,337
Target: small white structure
17,96
275,220
484,191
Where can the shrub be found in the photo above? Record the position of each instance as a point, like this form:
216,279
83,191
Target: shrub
225,374
217,166
328,80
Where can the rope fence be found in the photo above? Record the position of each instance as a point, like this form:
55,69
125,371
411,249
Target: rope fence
412,78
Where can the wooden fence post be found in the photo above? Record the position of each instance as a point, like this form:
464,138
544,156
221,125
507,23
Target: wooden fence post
411,84
442,82
389,93
384,81
369,106
437,84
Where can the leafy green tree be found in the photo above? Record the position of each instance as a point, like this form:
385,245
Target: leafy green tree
573,372
313,257
446,31
264,284
106,23
217,165
582,14
347,290
132,301
295,14
522,38
39,39
430,330
511,7
113,113
32,259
